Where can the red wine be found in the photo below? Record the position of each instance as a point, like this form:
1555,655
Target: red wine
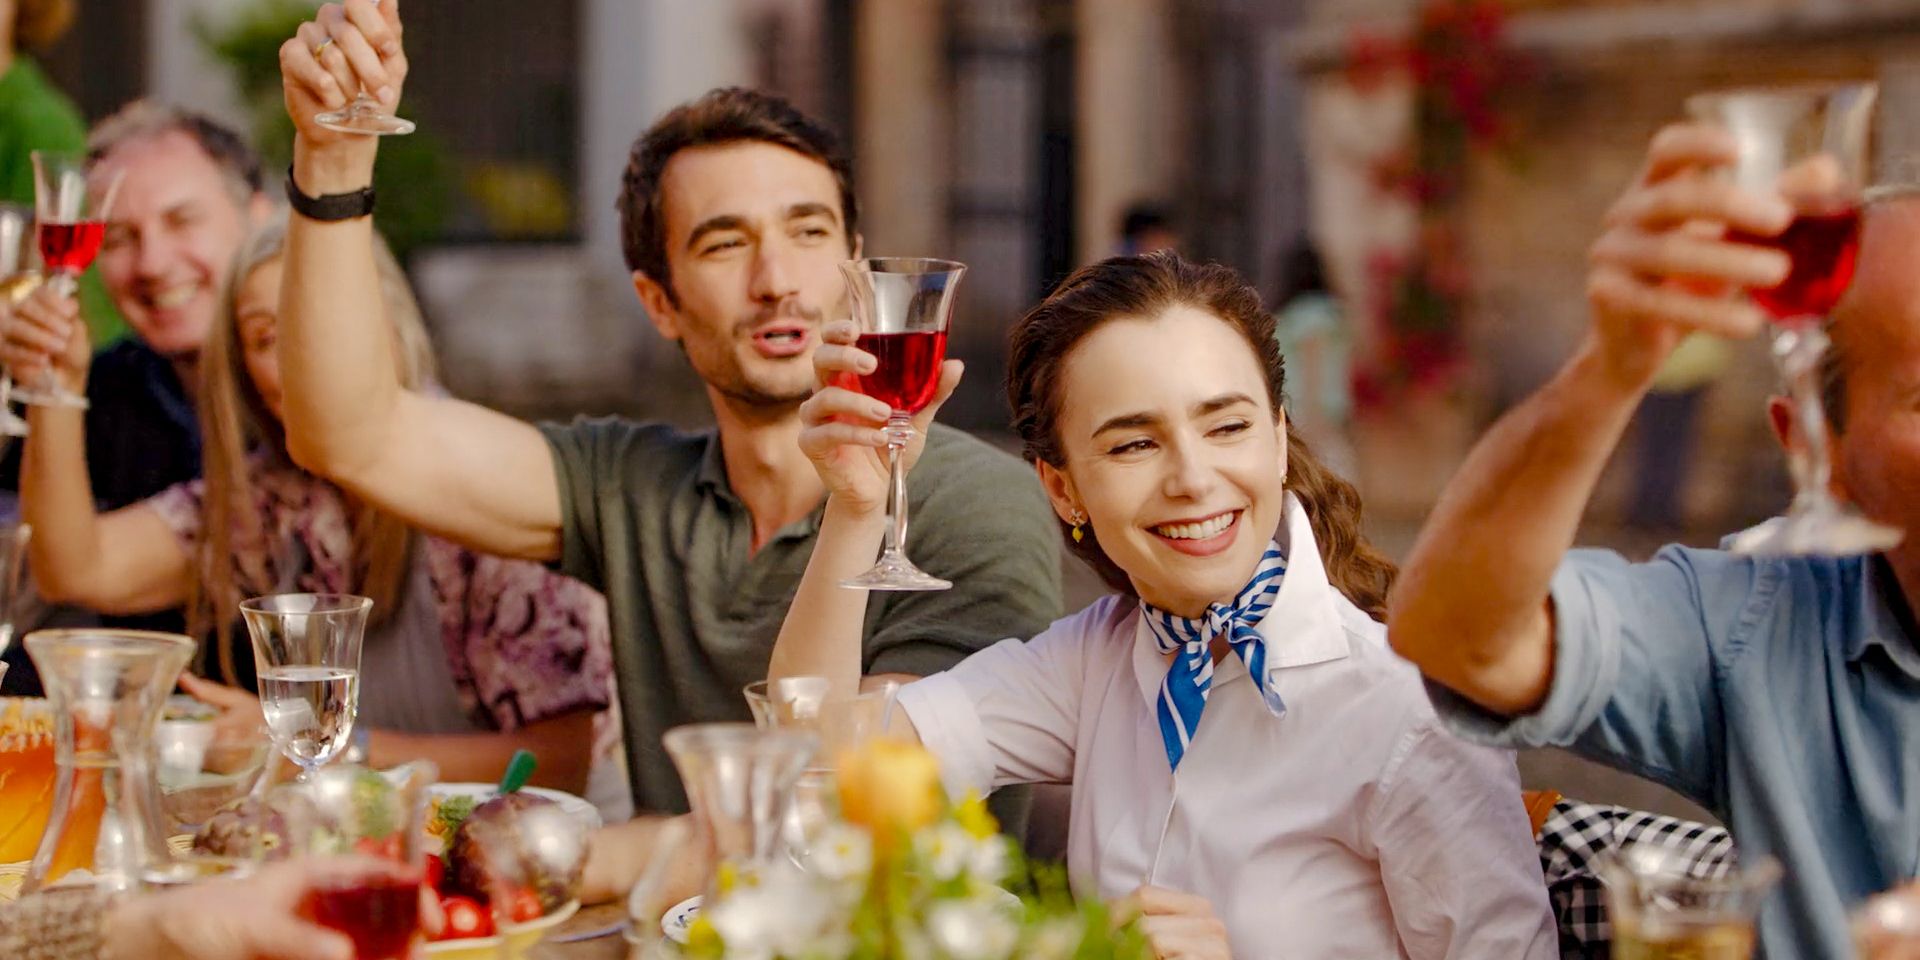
908,374
381,914
1823,247
70,247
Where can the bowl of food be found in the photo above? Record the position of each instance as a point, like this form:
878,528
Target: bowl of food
509,873
450,803
476,939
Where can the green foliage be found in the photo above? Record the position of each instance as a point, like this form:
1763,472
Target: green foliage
416,172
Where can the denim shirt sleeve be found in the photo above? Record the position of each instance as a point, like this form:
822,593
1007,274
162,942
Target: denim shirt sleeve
1639,649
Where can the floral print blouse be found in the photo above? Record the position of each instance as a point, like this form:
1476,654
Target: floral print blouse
525,644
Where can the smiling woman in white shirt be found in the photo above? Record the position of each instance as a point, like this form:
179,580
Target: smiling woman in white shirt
1319,810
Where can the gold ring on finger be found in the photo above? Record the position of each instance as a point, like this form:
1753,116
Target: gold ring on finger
324,44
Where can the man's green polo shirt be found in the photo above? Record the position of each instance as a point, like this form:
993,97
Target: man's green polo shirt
651,521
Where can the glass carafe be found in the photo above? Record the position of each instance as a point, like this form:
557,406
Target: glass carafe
842,723
106,689
739,782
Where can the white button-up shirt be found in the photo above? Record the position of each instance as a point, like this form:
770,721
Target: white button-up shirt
1350,826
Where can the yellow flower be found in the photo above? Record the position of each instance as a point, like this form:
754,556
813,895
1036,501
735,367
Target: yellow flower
972,815
889,787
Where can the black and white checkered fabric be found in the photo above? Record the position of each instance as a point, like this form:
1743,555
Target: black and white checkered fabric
1576,834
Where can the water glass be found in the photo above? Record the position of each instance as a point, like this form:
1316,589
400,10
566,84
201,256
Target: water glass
306,650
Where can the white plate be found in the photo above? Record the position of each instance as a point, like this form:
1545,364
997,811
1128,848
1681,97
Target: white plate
677,921
481,792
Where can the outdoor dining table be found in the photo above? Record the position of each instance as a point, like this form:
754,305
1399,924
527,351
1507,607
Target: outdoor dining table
610,947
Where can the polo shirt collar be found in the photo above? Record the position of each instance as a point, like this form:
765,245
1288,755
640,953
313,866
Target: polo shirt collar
1301,629
1885,620
711,476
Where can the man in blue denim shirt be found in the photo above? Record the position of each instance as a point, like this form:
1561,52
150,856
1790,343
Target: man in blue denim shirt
1781,693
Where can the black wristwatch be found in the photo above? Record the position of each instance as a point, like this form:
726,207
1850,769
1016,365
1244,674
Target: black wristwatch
333,206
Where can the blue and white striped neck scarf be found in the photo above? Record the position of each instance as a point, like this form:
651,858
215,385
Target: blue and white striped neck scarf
1183,694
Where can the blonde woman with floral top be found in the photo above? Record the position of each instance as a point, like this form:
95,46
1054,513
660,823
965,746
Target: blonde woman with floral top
468,656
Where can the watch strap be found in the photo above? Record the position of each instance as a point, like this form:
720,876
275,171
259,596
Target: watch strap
331,207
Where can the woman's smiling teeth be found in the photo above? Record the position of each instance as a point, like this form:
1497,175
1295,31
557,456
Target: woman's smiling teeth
1200,530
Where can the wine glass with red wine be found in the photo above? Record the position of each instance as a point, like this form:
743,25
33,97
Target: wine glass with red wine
346,810
1809,144
71,220
902,306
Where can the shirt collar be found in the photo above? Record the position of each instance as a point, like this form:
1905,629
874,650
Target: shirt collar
1302,628
711,476
1885,620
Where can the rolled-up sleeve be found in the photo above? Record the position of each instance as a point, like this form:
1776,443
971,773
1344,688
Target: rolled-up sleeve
1638,653
1456,852
1008,714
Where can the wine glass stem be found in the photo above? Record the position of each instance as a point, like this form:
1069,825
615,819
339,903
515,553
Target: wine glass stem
1798,352
899,434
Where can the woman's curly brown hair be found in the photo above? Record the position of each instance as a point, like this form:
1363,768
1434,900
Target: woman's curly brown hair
1145,286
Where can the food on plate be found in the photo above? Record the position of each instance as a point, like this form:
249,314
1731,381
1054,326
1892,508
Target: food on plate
522,841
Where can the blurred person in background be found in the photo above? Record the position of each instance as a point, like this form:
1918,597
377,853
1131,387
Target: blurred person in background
736,212
36,116
1782,693
33,114
467,657
1318,343
1145,227
189,192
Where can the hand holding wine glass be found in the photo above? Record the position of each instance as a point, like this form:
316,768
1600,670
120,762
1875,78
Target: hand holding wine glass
341,72
70,211
1809,143
843,430
1663,268
45,341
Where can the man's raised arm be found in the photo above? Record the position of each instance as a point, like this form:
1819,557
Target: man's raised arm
1471,607
451,468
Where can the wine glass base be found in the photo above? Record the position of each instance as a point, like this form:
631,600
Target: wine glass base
896,574
1825,528
365,122
49,398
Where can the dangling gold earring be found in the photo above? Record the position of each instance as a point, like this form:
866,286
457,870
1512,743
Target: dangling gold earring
1079,533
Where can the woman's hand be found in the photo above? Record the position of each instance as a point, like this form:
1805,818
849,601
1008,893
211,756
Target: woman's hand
258,916
1179,926
345,49
44,331
843,431
240,716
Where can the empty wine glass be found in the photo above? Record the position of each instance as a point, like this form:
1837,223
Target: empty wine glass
365,116
306,651
902,306
1809,144
71,220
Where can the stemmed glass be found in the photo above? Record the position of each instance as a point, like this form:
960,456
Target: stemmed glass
364,116
72,222
902,306
18,278
348,809
306,650
1809,143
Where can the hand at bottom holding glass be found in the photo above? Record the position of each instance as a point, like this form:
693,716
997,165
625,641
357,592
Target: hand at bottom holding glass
267,914
1178,926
